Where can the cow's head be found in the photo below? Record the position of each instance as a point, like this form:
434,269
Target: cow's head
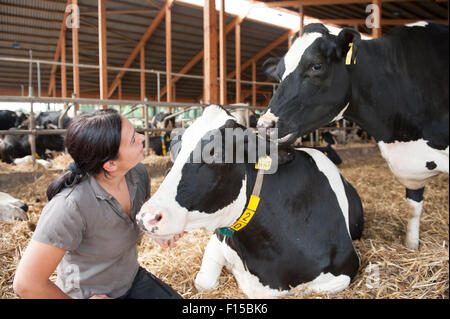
197,192
207,191
314,82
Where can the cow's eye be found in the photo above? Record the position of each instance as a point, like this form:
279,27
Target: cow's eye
316,66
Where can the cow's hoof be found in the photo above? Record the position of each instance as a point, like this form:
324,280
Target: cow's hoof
203,283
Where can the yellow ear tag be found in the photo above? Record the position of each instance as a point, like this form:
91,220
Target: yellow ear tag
264,163
348,58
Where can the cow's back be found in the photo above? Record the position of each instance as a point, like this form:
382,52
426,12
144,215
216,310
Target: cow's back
400,85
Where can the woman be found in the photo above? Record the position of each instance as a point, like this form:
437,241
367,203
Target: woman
88,230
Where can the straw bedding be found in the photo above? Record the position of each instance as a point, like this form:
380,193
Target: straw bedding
388,269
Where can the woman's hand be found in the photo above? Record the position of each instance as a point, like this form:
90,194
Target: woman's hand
170,242
100,297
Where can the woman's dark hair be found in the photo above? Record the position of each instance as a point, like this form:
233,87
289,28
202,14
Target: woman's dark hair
92,139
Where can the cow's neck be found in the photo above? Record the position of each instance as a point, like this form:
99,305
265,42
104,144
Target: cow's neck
376,100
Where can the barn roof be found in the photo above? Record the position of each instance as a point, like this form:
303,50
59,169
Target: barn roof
353,13
35,25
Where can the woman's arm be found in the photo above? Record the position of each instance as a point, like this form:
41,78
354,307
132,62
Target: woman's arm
34,270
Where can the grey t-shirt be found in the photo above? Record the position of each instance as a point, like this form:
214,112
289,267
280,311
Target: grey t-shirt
99,237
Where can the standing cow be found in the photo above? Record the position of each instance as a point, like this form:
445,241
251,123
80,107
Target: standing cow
395,87
300,235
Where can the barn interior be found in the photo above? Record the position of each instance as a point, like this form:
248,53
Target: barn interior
121,55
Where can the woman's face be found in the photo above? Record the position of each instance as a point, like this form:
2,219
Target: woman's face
131,149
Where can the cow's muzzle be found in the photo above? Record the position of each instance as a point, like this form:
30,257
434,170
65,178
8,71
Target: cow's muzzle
157,224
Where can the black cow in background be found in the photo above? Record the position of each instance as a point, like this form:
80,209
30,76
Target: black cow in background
18,146
9,119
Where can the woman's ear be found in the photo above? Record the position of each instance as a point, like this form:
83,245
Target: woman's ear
110,166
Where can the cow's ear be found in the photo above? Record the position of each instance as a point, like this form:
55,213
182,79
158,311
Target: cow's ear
346,37
270,68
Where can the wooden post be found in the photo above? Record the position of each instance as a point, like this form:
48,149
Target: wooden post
75,58
62,33
301,14
254,84
63,68
376,30
169,55
151,28
119,95
238,61
142,76
102,56
223,55
210,52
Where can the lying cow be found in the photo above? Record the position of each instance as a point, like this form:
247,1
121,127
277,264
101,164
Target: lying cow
300,236
18,146
12,208
9,119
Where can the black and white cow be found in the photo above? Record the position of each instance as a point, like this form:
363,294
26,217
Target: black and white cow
300,236
160,120
395,87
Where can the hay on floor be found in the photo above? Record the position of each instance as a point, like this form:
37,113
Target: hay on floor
388,269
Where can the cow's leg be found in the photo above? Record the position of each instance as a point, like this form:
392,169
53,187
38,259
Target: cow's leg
212,264
415,201
328,283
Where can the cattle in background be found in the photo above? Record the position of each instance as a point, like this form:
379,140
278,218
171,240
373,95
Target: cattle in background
326,139
300,235
18,146
9,119
49,119
12,208
160,145
247,118
160,121
395,87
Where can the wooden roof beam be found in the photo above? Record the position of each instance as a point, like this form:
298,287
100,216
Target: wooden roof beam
263,52
197,58
152,27
352,22
295,3
62,34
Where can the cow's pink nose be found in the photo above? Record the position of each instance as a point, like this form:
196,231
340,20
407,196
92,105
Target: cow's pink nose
151,220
